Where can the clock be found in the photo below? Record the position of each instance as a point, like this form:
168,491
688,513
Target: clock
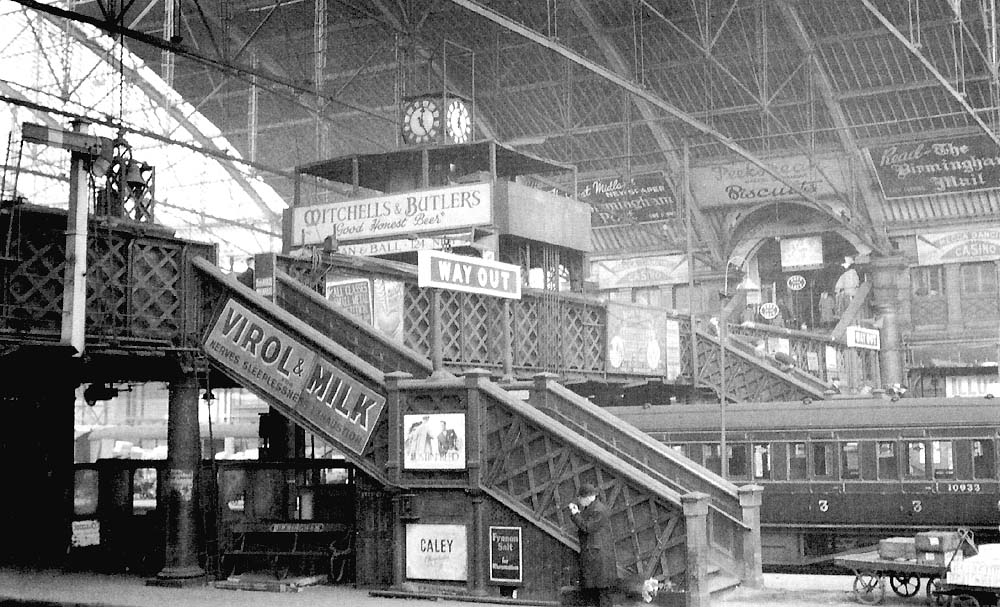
458,121
421,120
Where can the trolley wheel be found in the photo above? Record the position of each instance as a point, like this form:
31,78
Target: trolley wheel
869,587
934,596
279,567
964,600
905,584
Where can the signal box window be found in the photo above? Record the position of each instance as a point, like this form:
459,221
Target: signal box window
979,278
850,461
761,461
927,281
797,461
887,460
822,459
983,459
712,460
916,460
942,455
738,461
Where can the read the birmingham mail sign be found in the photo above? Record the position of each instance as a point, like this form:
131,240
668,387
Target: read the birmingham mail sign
469,274
412,213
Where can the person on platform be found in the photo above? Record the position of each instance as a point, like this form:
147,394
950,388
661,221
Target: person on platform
847,285
827,310
598,573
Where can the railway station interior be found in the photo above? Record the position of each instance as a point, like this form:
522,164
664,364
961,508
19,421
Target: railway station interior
360,293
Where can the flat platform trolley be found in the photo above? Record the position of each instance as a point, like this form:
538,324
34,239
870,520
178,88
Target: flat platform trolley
965,595
871,571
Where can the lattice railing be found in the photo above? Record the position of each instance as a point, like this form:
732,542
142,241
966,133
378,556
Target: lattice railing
139,286
535,468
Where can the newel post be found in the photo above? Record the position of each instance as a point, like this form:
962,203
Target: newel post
696,522
474,419
750,501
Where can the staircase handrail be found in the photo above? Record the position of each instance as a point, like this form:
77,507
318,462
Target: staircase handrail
419,361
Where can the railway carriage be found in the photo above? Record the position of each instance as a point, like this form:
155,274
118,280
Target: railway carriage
841,474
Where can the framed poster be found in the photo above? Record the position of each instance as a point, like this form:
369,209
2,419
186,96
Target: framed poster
434,441
353,295
506,564
437,552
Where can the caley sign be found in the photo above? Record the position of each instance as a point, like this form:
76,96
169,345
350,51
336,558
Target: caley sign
279,367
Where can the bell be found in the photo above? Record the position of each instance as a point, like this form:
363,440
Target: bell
133,176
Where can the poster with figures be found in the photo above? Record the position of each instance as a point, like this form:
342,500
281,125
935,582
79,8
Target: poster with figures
434,441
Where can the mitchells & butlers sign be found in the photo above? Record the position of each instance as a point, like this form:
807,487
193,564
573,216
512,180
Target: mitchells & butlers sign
411,213
937,166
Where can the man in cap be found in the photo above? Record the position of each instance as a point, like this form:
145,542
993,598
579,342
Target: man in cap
598,573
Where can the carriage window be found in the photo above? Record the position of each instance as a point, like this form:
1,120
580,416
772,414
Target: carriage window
916,460
761,461
822,459
850,462
942,456
712,460
738,461
797,461
887,460
677,448
982,459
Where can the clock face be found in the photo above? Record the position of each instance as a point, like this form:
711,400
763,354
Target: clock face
459,122
421,121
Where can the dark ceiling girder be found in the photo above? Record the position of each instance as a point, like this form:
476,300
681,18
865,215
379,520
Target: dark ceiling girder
916,52
656,101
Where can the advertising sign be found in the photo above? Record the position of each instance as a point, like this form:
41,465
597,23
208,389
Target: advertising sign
958,246
275,365
636,340
860,337
937,166
505,554
389,215
617,201
469,274
434,441
85,533
436,552
746,183
405,245
640,271
354,295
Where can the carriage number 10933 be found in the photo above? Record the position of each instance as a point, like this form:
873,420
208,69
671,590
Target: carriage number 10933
963,488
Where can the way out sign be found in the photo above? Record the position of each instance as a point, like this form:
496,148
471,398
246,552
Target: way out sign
469,274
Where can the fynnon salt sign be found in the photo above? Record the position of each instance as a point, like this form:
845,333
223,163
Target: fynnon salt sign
469,274
421,212
279,367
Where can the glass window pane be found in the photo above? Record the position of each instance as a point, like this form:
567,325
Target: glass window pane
738,461
84,492
822,459
144,490
850,461
982,459
761,461
887,460
797,461
942,456
713,461
916,461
